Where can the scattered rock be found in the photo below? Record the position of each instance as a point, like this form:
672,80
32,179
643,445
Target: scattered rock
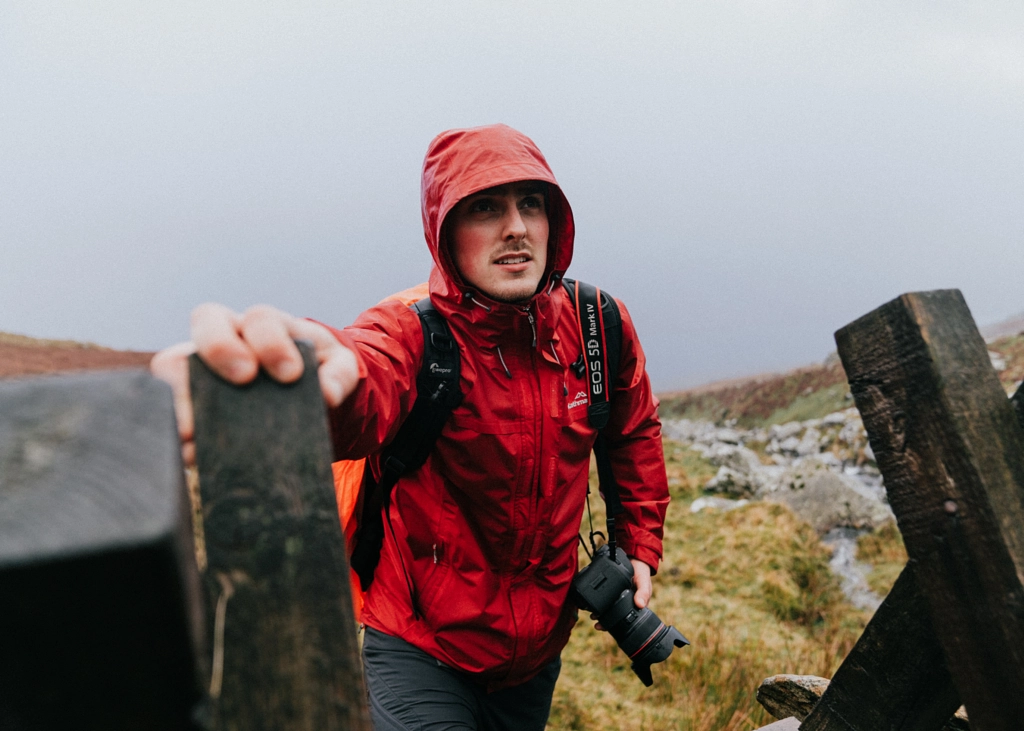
716,503
731,482
787,430
727,436
810,444
790,695
740,459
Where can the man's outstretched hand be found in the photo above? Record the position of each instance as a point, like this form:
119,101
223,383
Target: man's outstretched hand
236,346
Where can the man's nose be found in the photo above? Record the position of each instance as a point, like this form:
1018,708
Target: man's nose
515,226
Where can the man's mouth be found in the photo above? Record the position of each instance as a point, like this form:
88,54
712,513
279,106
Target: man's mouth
513,259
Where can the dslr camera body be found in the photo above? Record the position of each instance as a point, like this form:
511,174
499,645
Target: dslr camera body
605,587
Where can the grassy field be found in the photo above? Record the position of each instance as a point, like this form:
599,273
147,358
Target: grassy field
750,588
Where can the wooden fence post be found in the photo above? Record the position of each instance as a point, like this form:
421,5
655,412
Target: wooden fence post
280,614
948,443
895,678
100,613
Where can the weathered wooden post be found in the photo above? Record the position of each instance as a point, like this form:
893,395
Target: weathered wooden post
279,611
100,613
895,677
951,450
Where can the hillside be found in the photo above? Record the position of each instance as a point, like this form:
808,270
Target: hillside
811,392
21,355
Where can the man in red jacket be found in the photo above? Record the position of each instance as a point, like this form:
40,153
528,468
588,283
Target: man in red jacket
468,610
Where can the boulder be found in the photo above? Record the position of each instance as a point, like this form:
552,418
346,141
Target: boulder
810,443
732,482
828,500
782,432
716,503
789,444
739,459
790,695
728,436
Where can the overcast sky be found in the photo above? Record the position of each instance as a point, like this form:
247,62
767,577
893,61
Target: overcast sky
747,175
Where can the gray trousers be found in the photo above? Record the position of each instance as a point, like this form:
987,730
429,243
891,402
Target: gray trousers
410,690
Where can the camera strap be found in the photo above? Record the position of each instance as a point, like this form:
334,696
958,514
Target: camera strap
600,326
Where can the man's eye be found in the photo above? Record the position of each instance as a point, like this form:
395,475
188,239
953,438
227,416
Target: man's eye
481,206
532,201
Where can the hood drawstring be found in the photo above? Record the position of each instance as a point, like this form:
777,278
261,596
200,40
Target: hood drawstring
502,359
475,301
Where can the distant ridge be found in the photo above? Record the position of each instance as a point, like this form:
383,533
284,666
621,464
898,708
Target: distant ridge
814,391
1010,326
21,355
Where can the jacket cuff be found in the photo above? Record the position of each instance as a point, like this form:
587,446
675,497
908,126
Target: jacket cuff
645,554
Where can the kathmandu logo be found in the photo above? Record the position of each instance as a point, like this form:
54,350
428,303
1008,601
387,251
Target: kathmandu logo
580,400
435,368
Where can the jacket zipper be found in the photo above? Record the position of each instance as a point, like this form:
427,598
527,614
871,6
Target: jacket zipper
533,326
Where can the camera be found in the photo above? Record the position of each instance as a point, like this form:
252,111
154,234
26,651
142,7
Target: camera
605,587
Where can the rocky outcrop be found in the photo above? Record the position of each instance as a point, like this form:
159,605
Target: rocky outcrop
822,469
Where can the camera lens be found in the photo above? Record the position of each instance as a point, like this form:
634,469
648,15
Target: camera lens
605,587
646,640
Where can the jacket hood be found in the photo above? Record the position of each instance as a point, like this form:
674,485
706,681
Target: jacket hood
461,162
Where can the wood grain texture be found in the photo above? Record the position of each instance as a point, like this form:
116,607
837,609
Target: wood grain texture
276,558
895,677
951,450
99,592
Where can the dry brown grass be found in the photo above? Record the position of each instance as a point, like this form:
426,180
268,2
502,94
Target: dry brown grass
884,550
750,588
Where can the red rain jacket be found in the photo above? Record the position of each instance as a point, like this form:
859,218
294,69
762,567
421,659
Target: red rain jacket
487,528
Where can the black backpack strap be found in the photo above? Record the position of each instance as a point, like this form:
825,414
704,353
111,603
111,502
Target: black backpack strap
437,395
600,326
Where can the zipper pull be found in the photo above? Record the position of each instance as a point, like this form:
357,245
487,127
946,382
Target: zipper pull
435,553
529,316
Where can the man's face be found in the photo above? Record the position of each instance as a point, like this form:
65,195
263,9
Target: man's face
499,240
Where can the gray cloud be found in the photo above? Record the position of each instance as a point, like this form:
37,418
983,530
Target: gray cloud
747,176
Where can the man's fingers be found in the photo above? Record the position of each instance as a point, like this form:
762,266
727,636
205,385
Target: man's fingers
171,365
268,332
642,582
338,369
216,333
237,346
